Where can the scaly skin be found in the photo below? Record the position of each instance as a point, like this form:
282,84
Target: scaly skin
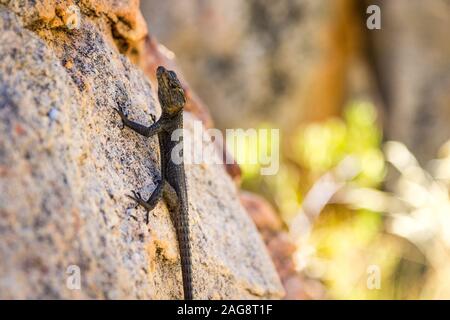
173,180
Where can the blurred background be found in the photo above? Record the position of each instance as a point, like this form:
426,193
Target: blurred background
364,180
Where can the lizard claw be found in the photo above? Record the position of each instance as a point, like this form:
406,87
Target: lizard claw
137,195
122,116
138,198
120,112
133,217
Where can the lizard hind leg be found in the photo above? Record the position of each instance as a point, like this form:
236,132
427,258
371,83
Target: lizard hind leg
150,204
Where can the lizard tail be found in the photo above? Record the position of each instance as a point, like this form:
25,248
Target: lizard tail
185,254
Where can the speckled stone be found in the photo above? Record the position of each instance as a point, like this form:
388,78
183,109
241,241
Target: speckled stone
66,167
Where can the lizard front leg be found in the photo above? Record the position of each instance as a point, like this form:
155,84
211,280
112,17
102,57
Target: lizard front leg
137,127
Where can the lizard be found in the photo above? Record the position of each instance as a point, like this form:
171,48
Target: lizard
172,185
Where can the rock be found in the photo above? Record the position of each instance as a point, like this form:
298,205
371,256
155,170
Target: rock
66,167
261,212
282,249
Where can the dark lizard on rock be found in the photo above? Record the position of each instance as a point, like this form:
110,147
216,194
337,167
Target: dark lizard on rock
172,186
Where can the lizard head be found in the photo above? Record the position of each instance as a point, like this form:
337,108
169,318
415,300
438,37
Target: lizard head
170,92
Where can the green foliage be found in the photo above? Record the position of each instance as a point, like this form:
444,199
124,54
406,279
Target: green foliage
319,147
